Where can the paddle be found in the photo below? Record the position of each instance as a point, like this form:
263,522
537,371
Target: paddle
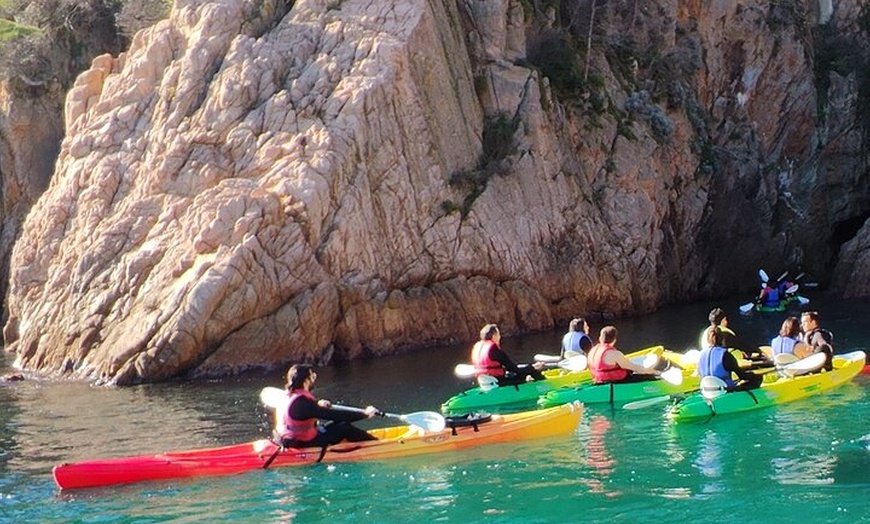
550,359
575,363
672,375
762,274
747,307
427,420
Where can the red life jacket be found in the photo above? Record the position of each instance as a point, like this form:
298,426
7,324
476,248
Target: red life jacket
601,371
290,428
483,364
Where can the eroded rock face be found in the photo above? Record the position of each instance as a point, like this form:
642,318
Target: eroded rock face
253,184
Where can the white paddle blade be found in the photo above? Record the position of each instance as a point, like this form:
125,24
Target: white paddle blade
487,383
464,370
542,357
712,387
650,360
762,274
691,356
428,421
792,289
803,300
647,402
747,307
672,376
272,397
577,363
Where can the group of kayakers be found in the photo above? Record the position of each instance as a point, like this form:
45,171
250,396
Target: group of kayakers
297,423
717,340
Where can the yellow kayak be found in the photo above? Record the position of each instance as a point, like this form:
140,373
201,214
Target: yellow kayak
780,391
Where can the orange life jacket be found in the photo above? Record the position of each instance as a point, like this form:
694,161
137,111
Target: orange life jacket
601,371
483,364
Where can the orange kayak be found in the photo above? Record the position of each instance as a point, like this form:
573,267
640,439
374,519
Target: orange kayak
397,441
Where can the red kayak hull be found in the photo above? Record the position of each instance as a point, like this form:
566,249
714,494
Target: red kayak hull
398,441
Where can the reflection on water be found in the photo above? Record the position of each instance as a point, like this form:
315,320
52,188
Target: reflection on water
597,456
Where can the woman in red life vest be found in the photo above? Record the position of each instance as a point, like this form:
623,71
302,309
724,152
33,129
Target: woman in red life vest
489,359
608,364
297,421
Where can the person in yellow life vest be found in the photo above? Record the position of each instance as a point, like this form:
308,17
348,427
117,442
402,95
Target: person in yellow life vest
489,359
608,364
298,421
730,339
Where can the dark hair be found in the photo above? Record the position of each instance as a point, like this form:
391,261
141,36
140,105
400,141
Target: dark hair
716,315
715,336
577,324
607,335
488,331
297,375
790,327
812,315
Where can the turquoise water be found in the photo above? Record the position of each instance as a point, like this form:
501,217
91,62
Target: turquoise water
808,460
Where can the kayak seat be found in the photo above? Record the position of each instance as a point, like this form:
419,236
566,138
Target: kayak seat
712,387
469,419
784,358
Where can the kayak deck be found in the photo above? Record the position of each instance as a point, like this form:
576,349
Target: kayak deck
522,396
781,391
396,441
619,393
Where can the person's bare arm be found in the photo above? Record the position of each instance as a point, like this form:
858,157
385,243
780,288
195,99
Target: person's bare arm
619,359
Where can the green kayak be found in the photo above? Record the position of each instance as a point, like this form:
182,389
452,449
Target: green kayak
780,391
619,394
504,399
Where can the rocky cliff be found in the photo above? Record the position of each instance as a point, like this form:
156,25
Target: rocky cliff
258,182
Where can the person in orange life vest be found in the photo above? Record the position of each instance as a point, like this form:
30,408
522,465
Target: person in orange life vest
715,360
820,340
297,422
489,359
609,364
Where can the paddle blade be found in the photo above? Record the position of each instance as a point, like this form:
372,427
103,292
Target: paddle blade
542,357
650,361
672,376
577,363
272,397
803,300
428,421
762,274
647,402
464,370
747,307
792,289
691,356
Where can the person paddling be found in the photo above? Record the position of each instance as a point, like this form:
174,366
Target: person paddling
789,340
609,364
715,360
298,421
820,340
489,359
718,319
576,340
